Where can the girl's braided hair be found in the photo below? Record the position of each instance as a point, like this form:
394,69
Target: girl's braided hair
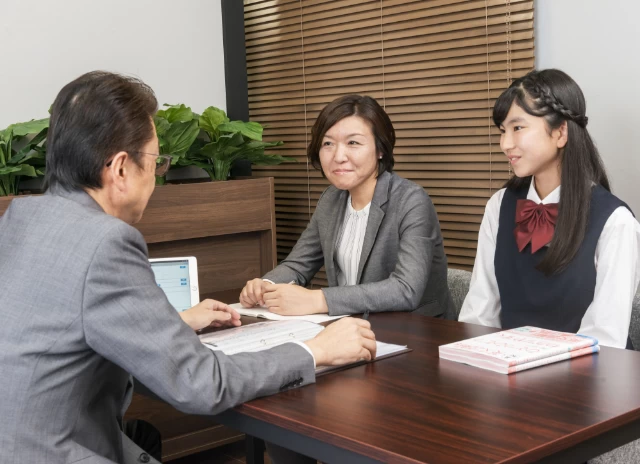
545,95
554,96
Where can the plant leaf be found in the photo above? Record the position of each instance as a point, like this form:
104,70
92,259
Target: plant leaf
192,162
20,170
162,125
34,126
222,149
3,153
210,119
27,170
27,151
269,160
6,170
179,137
251,130
197,144
5,146
176,113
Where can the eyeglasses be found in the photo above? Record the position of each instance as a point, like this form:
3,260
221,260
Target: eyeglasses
162,162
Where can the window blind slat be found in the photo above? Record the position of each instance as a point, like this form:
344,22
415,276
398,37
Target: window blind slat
436,66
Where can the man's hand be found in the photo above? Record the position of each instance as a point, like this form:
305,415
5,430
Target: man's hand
251,294
345,341
292,300
210,313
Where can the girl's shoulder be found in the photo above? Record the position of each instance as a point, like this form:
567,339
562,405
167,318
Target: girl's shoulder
494,203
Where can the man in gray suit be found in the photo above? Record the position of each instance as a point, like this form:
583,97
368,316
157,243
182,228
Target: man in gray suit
82,312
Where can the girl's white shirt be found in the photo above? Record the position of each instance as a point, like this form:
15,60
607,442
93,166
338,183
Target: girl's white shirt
617,274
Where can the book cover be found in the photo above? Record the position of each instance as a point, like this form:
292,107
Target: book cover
518,349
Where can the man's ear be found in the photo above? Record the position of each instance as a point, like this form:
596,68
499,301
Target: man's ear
562,134
117,170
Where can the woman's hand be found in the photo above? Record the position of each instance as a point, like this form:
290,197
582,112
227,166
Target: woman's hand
210,313
251,294
293,300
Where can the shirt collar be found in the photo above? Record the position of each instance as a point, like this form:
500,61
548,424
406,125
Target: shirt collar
553,197
363,212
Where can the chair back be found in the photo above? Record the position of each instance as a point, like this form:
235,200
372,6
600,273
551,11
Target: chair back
634,327
458,281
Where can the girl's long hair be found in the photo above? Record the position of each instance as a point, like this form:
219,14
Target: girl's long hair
553,95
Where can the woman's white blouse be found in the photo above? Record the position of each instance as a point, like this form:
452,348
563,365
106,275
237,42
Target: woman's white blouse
617,274
349,243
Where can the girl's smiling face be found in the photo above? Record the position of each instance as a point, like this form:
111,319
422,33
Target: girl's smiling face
532,149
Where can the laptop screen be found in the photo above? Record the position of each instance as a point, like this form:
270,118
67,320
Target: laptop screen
173,278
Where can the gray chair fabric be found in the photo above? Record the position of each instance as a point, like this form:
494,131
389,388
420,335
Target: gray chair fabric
458,281
626,454
634,327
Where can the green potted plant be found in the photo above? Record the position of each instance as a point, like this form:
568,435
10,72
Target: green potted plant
211,141
22,153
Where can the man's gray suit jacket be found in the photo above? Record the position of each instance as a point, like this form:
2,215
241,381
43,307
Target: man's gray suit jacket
403,266
80,312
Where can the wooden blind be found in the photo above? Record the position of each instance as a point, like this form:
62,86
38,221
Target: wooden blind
435,65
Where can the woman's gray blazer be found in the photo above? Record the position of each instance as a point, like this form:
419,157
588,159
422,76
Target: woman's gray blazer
403,266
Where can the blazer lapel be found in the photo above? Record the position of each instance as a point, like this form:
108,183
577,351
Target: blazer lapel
336,218
376,215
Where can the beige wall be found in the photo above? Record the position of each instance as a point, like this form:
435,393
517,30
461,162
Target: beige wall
596,42
176,47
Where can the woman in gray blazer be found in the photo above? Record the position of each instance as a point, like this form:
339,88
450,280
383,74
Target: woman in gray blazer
376,234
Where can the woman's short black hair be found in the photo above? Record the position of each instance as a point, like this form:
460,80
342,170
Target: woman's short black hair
94,117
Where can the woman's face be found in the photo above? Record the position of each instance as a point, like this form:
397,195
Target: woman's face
531,148
348,154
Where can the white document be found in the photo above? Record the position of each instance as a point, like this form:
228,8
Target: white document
265,335
260,336
386,349
263,313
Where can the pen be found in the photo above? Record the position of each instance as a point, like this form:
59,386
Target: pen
365,316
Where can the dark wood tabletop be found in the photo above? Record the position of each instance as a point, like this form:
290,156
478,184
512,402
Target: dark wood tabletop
417,408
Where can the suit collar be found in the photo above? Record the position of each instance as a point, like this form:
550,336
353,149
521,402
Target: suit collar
381,192
79,196
376,215
329,244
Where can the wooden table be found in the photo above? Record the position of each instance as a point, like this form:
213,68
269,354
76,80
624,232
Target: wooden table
417,408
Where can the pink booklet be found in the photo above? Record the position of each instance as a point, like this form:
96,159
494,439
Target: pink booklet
518,349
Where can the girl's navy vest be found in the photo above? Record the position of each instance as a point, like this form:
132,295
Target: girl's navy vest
556,302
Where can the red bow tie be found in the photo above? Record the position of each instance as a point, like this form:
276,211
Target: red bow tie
535,223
